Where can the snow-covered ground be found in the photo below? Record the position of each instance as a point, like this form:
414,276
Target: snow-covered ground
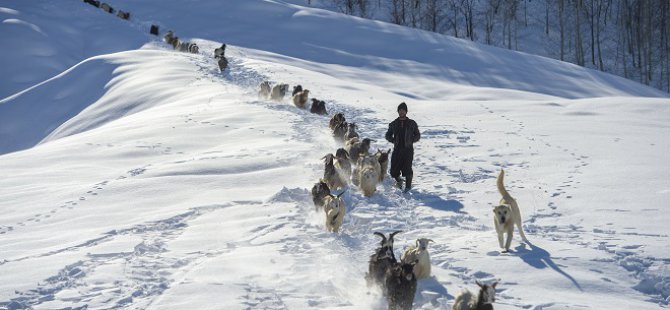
135,176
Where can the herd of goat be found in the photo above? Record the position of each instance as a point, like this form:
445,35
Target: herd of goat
169,37
351,164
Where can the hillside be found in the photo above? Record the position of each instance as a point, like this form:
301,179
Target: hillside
142,177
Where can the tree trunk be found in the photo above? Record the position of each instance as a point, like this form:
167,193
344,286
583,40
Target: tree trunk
561,22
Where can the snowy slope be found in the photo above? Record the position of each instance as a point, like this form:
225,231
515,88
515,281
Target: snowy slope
41,41
165,184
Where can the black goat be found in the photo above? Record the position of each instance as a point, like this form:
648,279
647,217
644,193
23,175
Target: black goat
320,191
339,131
337,119
94,3
220,52
400,286
318,107
223,63
296,89
381,261
154,30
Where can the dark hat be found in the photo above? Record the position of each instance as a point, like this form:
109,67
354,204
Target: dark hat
402,106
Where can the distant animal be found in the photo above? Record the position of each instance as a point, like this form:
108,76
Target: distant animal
94,3
176,43
343,165
340,130
193,48
335,120
400,286
107,8
368,174
188,47
351,132
507,215
420,255
296,89
183,46
318,107
223,63
382,260
335,211
330,175
278,92
383,159
320,191
264,90
357,148
154,30
300,98
355,175
169,37
123,15
220,51
484,301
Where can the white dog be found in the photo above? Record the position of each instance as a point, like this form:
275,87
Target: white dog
507,215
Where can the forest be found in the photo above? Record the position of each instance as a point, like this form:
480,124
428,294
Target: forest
628,38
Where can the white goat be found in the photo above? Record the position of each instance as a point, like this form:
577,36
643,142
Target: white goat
343,165
278,92
419,254
368,174
264,91
383,159
300,98
335,211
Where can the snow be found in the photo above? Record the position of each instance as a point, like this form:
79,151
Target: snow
135,176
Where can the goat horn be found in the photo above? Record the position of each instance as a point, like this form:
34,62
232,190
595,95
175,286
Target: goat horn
431,240
381,235
344,191
394,233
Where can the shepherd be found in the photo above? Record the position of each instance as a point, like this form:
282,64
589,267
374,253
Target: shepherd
403,133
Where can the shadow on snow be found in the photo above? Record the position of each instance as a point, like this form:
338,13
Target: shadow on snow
540,259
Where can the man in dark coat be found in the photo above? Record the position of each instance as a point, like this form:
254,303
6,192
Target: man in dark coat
402,132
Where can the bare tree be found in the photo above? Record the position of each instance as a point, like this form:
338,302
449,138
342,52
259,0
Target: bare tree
399,11
467,9
492,9
579,46
561,21
433,15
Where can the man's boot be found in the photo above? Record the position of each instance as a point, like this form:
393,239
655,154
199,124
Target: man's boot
408,182
398,182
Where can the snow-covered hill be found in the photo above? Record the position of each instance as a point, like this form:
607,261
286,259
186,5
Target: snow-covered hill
141,177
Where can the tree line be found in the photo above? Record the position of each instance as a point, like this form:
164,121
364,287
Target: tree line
630,38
